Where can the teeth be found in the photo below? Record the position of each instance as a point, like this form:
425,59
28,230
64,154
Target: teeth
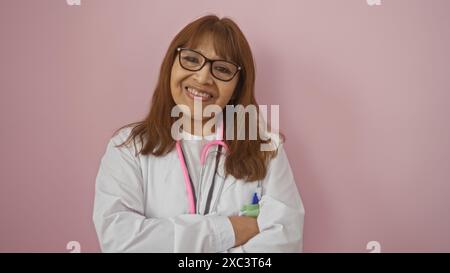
197,93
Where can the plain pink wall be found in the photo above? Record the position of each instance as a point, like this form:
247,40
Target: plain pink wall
363,94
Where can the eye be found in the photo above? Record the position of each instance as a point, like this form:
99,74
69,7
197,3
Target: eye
191,59
223,69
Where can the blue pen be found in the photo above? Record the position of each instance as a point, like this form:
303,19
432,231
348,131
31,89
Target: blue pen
255,200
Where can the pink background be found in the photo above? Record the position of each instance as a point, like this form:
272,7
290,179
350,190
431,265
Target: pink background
363,94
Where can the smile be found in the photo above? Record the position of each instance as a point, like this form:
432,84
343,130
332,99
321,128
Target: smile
197,94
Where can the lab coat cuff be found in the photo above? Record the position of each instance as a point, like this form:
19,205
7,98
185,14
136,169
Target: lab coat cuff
223,231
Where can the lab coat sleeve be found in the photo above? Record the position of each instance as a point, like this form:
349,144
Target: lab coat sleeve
120,222
281,215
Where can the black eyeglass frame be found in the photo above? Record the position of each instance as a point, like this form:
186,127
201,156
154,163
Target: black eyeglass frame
207,60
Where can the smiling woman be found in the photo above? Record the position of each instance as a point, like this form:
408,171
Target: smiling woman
141,202
191,80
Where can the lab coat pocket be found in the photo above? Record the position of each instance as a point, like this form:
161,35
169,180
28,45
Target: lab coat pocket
235,195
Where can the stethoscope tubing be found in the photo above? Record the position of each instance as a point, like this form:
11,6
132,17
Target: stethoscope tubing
192,202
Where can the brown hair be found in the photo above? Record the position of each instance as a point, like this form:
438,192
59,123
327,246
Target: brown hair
244,160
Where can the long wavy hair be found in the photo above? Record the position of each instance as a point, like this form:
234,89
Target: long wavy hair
244,158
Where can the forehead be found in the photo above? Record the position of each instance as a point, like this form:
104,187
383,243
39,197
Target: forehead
206,47
211,45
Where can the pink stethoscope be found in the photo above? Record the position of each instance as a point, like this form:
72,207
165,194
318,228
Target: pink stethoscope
187,180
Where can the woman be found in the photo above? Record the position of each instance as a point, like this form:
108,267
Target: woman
161,195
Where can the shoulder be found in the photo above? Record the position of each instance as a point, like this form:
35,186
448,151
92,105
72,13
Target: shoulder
121,135
274,142
120,162
279,160
123,141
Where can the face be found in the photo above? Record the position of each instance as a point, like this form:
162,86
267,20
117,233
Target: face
187,86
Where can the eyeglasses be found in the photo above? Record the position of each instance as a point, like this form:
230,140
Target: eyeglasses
194,61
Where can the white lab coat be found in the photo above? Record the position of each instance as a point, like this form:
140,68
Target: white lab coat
141,205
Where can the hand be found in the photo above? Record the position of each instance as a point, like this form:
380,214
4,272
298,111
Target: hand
244,228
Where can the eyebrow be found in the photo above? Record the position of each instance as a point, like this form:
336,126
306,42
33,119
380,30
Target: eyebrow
217,57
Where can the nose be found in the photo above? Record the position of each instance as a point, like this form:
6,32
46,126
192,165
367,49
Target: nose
203,76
